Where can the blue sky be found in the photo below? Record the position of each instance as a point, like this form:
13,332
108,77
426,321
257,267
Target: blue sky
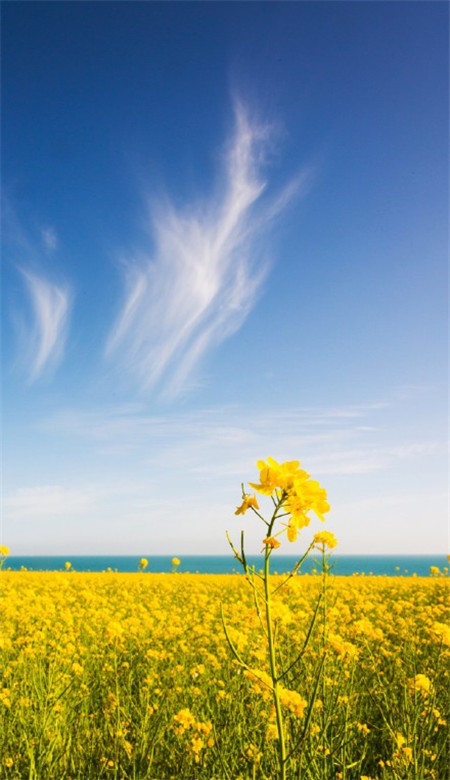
224,237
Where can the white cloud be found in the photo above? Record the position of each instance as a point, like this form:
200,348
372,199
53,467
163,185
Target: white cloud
44,335
49,238
43,501
206,272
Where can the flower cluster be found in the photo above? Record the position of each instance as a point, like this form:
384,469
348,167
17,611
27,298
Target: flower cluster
293,491
263,685
326,538
421,684
4,552
185,721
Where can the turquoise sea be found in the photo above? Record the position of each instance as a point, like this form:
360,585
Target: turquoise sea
405,565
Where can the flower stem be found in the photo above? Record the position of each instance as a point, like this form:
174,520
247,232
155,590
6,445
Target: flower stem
324,651
273,668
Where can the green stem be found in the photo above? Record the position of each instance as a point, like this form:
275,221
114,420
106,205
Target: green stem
273,668
305,644
295,569
324,649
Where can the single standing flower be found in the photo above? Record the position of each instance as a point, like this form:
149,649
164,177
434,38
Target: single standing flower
294,495
326,538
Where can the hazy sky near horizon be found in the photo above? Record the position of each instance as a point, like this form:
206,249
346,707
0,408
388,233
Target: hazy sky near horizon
224,237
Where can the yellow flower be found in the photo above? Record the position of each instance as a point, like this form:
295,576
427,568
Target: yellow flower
441,632
326,538
305,496
67,565
114,630
270,541
291,531
252,753
4,550
293,701
435,571
263,683
248,502
274,475
143,563
184,720
176,561
421,683
343,648
272,731
295,490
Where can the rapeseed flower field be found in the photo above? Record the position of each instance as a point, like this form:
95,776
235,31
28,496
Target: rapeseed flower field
115,675
227,677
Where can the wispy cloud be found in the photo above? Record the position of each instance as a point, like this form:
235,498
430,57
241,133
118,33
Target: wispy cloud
206,271
170,482
41,328
46,330
175,478
49,238
350,440
35,503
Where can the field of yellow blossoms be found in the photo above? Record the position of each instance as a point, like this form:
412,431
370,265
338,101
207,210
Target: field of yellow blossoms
115,675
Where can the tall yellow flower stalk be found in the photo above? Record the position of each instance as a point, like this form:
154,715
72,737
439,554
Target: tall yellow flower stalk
294,497
4,552
143,563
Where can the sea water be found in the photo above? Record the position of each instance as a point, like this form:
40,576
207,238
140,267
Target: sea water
346,565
